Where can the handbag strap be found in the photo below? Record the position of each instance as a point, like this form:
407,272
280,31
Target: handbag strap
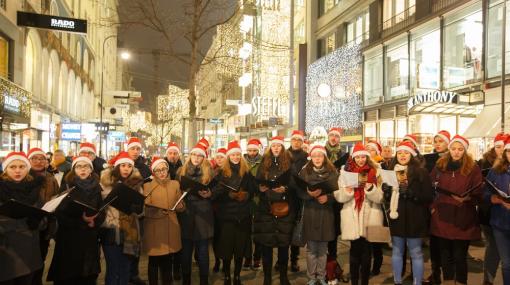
385,214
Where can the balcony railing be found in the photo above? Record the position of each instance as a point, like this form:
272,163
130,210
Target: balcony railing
399,21
438,5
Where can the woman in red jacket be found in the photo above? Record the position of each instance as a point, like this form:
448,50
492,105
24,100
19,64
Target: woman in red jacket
457,180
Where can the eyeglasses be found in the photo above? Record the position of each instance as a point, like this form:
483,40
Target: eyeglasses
82,166
161,170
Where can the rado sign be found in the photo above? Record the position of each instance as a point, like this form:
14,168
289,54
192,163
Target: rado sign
52,22
446,97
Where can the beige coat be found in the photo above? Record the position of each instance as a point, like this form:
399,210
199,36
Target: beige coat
162,233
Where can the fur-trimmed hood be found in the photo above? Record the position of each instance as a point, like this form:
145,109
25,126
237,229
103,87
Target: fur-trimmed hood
135,179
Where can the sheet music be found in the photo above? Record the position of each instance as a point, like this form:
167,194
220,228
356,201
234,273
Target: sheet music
348,179
178,201
389,177
501,193
53,204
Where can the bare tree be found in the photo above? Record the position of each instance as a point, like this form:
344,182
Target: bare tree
184,28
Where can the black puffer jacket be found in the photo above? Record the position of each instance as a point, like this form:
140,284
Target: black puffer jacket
197,221
269,230
173,167
318,219
143,168
231,210
413,207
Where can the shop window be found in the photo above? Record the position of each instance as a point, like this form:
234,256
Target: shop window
401,129
396,11
425,60
448,123
373,77
397,70
462,47
4,57
357,30
386,133
494,38
326,5
370,131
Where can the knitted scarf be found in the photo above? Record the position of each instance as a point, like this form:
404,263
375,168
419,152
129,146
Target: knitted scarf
334,152
359,193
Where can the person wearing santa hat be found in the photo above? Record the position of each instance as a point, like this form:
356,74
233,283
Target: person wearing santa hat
120,240
409,210
306,146
134,149
361,208
197,221
162,233
491,259
20,254
454,215
253,159
318,206
76,258
233,196
89,150
273,228
39,168
375,149
441,141
219,158
499,219
338,157
173,158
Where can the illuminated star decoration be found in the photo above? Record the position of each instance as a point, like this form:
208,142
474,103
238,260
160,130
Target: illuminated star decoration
339,105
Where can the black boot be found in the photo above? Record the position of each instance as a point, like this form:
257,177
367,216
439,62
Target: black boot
237,280
284,279
294,267
166,276
227,280
153,275
204,279
267,273
186,279
177,273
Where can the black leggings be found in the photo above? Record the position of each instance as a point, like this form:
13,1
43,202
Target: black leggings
238,264
454,259
160,264
360,257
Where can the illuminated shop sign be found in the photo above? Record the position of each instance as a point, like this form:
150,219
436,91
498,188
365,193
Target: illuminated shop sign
52,22
436,96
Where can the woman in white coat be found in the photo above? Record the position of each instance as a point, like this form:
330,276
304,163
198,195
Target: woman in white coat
361,208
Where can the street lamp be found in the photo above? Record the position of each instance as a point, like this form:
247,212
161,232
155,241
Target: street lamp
125,55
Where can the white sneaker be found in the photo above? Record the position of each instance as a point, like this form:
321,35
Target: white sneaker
333,282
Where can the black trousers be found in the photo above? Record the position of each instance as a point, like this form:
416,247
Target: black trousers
360,257
294,254
435,257
454,259
90,280
160,266
377,253
22,280
267,256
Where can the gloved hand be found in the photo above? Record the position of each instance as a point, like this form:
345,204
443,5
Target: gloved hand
386,188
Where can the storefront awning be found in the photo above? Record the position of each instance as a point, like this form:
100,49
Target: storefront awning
446,109
487,124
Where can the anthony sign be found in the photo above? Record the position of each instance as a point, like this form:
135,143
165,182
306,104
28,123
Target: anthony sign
52,22
446,97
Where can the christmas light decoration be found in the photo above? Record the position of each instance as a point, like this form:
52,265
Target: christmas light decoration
17,95
339,105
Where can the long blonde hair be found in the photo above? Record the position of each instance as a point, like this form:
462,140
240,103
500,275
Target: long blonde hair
227,171
205,168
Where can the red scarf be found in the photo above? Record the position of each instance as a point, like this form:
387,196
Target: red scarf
359,194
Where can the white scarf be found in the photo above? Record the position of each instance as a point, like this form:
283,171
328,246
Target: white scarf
395,194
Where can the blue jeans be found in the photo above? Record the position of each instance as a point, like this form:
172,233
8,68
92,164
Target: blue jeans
397,258
491,258
202,248
118,265
502,238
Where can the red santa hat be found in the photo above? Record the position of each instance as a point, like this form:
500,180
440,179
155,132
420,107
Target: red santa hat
407,146
460,139
87,147
156,161
221,152
233,147
507,143
277,139
298,134
199,149
133,142
254,144
172,146
500,139
318,148
204,143
412,138
445,135
376,145
359,149
82,158
335,131
14,155
122,157
35,151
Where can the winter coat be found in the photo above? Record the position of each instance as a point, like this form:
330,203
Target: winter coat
451,220
269,230
162,233
99,165
413,219
431,160
229,209
143,168
49,188
253,163
499,215
197,221
119,228
19,238
354,222
173,167
484,208
318,219
76,252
